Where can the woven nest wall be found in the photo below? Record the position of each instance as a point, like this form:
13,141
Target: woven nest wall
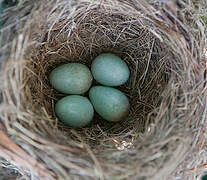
166,89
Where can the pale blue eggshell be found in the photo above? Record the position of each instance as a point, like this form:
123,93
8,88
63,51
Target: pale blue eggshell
74,110
72,78
110,103
110,70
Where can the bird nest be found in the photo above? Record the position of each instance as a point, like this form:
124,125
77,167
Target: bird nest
166,89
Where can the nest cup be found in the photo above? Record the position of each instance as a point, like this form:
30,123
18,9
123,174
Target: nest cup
166,91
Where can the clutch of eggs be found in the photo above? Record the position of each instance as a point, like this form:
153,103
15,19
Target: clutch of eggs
75,79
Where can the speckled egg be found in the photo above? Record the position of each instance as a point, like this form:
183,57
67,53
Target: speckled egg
110,70
72,78
110,103
75,111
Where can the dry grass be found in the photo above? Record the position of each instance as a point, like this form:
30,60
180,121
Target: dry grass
163,47
7,171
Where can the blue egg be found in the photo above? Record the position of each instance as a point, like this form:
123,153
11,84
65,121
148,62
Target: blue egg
110,70
72,78
110,103
74,110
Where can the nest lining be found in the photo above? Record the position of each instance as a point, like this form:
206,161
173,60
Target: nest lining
99,32
156,91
